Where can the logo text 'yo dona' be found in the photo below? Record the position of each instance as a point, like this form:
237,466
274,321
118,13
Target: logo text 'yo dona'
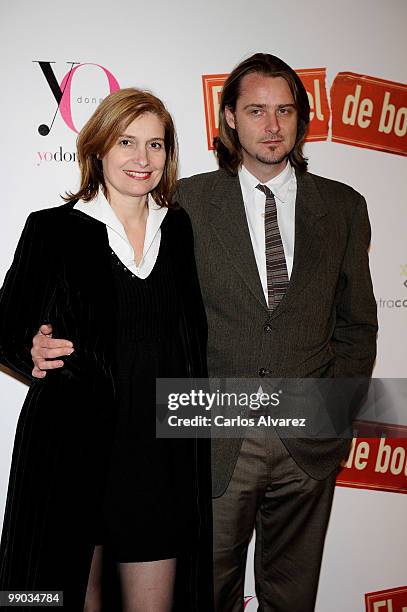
62,92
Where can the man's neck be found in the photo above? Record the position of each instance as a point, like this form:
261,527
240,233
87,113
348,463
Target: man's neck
270,173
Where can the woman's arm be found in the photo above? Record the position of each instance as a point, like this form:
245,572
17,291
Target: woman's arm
27,294
195,324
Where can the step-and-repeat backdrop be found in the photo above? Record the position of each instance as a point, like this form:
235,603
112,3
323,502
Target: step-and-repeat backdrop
59,60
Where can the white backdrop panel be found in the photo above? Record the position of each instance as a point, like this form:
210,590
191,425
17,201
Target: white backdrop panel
166,47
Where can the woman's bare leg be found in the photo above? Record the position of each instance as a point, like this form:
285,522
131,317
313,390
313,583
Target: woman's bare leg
93,600
148,586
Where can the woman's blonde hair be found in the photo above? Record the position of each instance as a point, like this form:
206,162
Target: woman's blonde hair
101,132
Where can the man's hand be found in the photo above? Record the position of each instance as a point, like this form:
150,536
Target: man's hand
44,348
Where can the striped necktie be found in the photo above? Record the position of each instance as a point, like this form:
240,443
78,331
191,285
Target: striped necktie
276,266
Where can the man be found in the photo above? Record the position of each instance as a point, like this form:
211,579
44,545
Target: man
283,265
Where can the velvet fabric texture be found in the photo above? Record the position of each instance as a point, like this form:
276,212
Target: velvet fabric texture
61,274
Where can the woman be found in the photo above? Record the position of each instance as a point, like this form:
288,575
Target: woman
89,480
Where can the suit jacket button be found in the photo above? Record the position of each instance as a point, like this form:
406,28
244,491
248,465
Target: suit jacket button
264,372
267,328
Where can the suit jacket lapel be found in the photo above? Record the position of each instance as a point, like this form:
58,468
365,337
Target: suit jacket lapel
229,222
309,239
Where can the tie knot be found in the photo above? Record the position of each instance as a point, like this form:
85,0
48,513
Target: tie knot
267,192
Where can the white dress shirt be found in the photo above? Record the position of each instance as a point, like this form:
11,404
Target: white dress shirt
100,209
284,188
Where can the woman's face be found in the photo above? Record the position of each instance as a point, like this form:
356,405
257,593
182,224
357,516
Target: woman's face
134,165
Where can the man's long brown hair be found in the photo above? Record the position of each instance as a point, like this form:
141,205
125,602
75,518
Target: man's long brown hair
227,145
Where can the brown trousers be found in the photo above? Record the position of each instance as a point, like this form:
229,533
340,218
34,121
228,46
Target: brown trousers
290,512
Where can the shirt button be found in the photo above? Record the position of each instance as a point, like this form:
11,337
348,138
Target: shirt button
267,328
263,372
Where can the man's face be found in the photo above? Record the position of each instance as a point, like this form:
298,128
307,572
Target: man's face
265,119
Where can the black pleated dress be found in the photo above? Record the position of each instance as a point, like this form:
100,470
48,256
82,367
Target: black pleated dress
143,510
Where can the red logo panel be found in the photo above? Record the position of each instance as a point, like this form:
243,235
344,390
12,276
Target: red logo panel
378,458
392,600
369,112
314,81
212,89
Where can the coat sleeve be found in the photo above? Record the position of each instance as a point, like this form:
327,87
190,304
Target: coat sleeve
194,307
194,316
180,195
354,337
26,296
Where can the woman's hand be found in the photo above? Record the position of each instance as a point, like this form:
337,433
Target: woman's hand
46,350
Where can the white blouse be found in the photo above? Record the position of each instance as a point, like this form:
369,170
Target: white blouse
100,209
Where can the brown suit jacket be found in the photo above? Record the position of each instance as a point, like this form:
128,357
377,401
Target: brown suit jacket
326,324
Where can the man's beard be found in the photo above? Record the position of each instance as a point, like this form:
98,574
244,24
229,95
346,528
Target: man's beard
272,162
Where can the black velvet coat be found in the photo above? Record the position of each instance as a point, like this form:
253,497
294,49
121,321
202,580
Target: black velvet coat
61,274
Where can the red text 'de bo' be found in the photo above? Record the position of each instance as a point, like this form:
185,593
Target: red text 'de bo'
388,600
377,459
369,112
314,82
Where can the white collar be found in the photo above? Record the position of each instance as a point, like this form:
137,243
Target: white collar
100,209
279,185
